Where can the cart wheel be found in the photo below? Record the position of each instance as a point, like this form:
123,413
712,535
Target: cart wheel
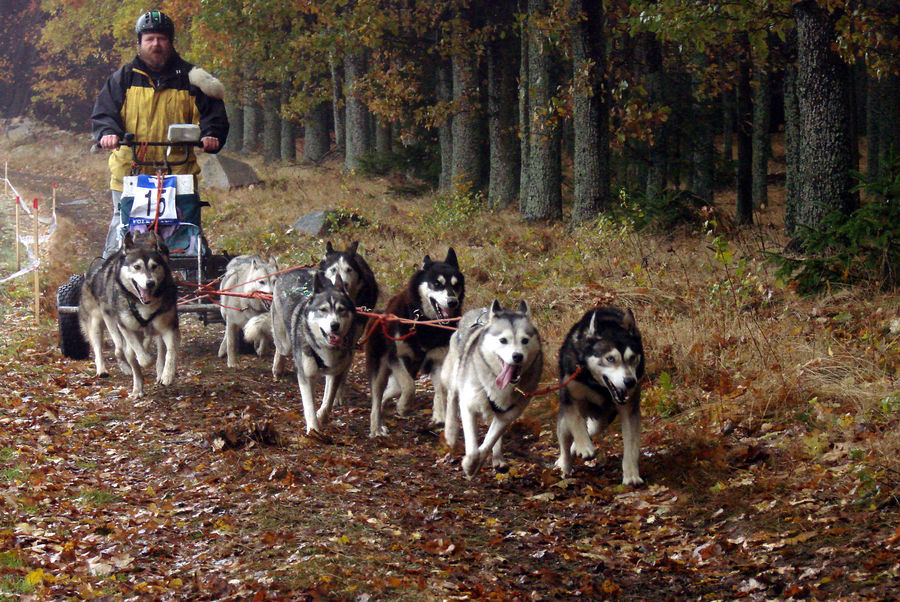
71,340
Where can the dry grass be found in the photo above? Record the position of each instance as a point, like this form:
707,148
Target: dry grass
726,343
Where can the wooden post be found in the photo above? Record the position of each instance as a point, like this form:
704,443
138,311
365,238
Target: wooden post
18,246
37,259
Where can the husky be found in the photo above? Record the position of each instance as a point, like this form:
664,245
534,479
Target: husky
395,352
493,364
245,275
133,293
322,334
606,346
358,279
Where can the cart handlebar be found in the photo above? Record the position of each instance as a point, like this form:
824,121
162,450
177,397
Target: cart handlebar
185,146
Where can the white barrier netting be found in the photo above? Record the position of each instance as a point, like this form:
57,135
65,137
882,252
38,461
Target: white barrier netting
27,240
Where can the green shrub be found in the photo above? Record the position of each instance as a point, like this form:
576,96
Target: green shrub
862,248
671,209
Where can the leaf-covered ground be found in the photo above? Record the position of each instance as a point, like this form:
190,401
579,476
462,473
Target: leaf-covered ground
210,490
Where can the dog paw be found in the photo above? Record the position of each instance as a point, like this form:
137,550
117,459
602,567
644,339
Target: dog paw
380,431
586,452
471,464
501,466
632,481
565,467
166,379
322,416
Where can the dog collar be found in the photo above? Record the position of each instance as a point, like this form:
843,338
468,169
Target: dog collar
137,315
497,409
132,306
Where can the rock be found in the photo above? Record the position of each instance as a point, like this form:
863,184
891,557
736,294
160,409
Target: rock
319,223
225,173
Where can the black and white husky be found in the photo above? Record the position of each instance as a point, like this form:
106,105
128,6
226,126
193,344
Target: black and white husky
397,352
606,345
322,333
356,275
493,364
133,293
245,275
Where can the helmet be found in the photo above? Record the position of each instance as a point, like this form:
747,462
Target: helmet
154,21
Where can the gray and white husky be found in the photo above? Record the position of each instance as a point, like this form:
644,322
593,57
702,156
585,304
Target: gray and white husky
245,275
606,345
133,294
358,280
398,351
322,333
494,362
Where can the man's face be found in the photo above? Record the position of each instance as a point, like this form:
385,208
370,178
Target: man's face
155,49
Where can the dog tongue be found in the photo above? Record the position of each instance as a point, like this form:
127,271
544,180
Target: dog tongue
505,376
334,339
144,294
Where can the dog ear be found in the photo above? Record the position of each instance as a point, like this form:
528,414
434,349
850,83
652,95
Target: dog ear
451,258
628,321
128,241
319,281
496,308
161,246
592,327
339,283
351,250
328,248
426,262
523,308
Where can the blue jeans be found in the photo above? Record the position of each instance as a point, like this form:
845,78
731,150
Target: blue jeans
113,237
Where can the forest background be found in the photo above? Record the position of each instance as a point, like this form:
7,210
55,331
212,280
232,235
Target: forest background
723,168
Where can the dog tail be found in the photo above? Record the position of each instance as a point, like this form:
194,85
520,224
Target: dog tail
258,329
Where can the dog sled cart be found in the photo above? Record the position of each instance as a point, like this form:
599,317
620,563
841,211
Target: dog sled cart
168,204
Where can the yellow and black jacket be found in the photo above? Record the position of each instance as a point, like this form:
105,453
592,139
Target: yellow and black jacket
135,100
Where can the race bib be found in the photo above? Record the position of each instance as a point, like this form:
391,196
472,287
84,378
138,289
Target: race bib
150,202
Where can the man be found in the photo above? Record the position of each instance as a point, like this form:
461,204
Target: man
144,97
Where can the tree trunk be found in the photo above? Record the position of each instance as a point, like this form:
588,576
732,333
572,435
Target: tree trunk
383,140
544,196
762,119
235,113
357,124
316,137
524,107
288,150
465,122
271,126
445,130
702,141
728,125
590,114
651,51
252,122
337,102
744,209
503,181
825,143
883,122
791,148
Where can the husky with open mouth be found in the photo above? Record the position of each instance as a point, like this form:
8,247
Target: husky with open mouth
493,364
396,352
322,331
133,294
604,352
359,282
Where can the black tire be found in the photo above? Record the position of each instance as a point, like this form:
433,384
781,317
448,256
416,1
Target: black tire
71,340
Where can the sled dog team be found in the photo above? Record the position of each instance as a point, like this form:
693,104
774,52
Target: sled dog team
485,364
